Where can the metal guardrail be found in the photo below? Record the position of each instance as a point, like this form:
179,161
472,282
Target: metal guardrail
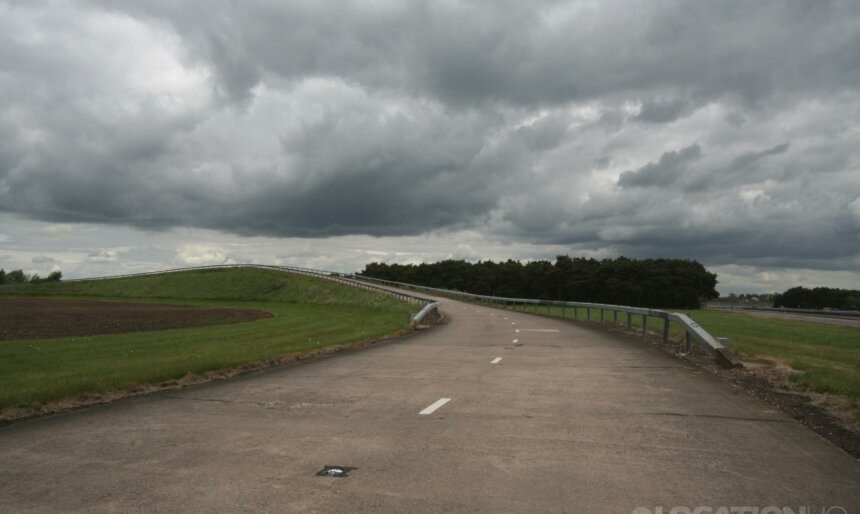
692,330
430,306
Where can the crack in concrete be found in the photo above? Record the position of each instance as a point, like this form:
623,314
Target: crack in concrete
716,416
221,400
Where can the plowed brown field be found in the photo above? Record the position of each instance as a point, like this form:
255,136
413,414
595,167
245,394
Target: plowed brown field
29,318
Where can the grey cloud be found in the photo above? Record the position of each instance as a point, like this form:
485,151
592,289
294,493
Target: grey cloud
42,259
545,134
104,256
349,172
744,169
663,110
532,53
746,159
663,172
320,119
808,222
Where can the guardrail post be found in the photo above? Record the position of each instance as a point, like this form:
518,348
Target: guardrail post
666,331
588,314
614,317
644,325
688,342
601,316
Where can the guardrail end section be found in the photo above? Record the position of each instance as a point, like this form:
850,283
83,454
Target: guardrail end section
432,307
727,359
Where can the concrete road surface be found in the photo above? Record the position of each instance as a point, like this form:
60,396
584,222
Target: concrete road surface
542,415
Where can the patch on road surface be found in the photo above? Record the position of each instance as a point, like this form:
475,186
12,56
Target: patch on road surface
334,471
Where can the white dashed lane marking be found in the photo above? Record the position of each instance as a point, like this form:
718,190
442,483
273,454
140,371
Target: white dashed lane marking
496,360
433,406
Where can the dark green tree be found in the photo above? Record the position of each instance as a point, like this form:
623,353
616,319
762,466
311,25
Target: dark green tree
660,283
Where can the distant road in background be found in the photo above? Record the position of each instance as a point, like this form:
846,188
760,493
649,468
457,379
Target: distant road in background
812,318
842,319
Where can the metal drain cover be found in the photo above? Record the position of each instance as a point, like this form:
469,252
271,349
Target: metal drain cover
335,471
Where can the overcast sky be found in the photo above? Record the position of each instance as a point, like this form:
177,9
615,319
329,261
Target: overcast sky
160,133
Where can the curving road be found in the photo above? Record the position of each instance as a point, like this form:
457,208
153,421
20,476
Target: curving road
542,415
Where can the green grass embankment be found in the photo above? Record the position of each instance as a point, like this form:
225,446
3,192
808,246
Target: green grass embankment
309,314
826,358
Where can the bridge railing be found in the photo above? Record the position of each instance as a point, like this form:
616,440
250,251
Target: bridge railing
692,331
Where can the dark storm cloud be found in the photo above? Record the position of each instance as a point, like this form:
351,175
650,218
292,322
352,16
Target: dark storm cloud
663,111
745,160
667,170
720,130
525,52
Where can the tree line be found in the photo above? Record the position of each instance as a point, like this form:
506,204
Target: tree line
19,277
656,283
818,298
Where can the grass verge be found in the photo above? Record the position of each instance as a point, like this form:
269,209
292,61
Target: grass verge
826,358
308,314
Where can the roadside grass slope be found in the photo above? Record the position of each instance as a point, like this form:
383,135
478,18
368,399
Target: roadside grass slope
242,284
826,358
308,314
